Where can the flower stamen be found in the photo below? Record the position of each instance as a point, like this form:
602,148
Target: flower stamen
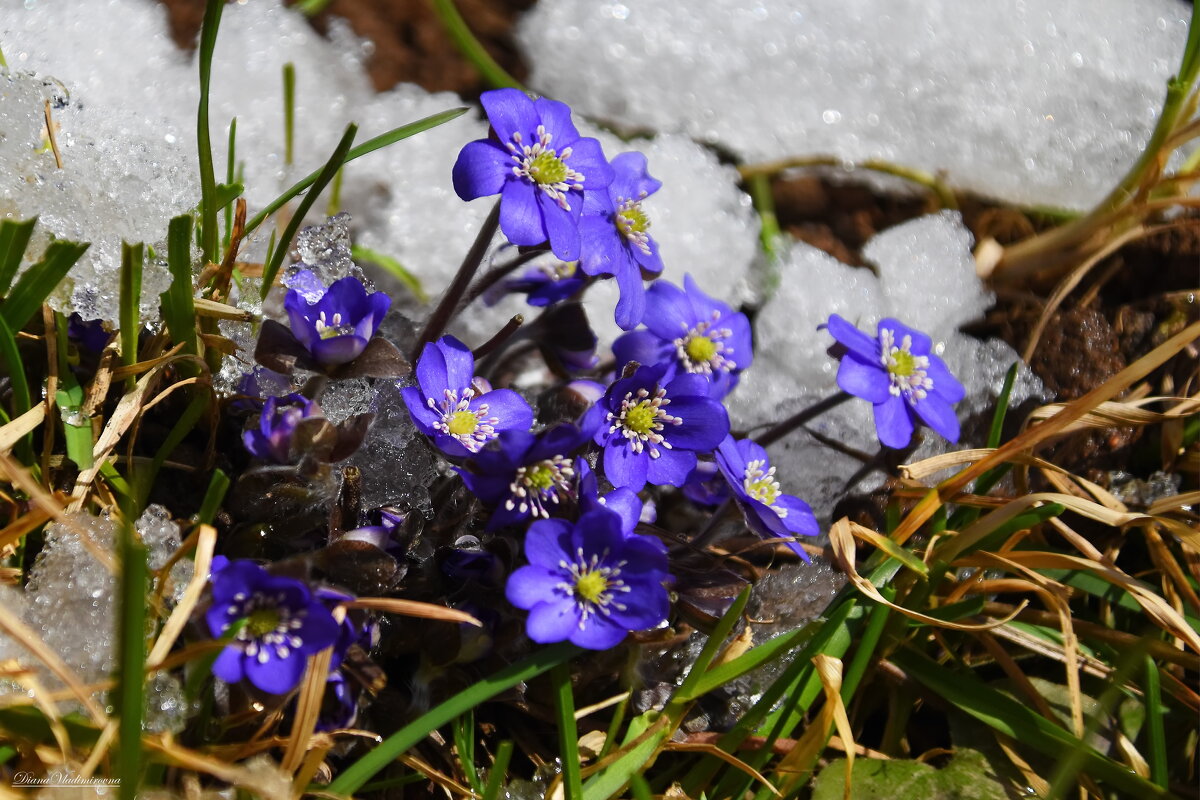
544,167
761,485
632,222
640,419
471,427
906,371
594,587
702,350
536,485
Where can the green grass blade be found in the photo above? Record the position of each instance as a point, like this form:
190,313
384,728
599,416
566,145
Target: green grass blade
37,282
77,431
687,690
131,679
230,177
750,660
15,368
369,146
464,743
179,309
14,238
639,788
289,113
1156,736
393,268
568,732
132,260
609,780
471,48
208,180
323,178
218,485
868,640
365,768
1012,718
499,771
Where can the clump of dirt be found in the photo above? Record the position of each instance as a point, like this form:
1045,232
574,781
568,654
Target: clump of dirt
410,44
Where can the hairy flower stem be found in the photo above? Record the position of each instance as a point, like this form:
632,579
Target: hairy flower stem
500,338
706,536
497,274
782,429
448,305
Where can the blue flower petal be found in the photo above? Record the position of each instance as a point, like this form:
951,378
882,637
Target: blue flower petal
631,305
481,169
939,415
531,585
672,467
553,622
599,242
854,339
625,504
556,117
422,415
670,312
459,365
893,422
598,633
650,262
275,675
869,381
921,343
641,346
630,176
337,349
547,543
623,467
520,214
800,520
587,158
510,111
508,407
228,665
561,225
945,385
705,423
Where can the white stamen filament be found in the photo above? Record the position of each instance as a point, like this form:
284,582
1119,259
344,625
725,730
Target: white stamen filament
524,156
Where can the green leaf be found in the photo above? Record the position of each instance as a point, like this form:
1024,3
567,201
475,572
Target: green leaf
499,770
14,238
365,768
750,660
218,484
1156,736
208,179
132,259
14,367
967,776
1015,719
131,677
323,178
178,304
568,731
609,780
77,430
687,690
393,268
37,282
470,47
225,193
369,146
289,112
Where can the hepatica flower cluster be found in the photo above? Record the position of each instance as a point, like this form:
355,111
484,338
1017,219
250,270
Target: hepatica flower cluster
548,495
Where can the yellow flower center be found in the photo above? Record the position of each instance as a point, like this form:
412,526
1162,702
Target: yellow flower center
541,476
547,168
632,219
462,423
640,418
262,621
765,490
700,349
903,363
591,585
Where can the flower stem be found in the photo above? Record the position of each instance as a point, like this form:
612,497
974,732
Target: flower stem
500,338
496,274
706,536
458,287
781,429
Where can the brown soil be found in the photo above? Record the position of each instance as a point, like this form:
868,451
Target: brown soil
410,44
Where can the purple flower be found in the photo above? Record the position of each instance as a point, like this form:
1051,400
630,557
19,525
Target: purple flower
336,327
651,430
525,475
588,582
272,440
614,238
458,410
768,512
284,624
537,162
623,502
706,486
901,376
542,284
690,332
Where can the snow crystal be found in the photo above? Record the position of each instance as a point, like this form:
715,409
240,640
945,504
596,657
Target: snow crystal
1029,102
397,466
926,278
69,590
